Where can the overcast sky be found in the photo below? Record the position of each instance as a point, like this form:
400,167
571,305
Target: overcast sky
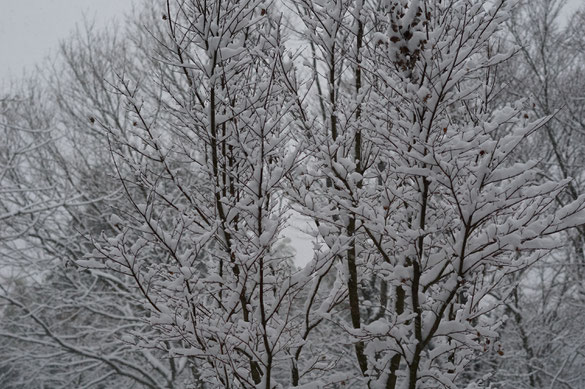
31,29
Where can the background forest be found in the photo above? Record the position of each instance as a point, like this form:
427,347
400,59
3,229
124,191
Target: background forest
151,173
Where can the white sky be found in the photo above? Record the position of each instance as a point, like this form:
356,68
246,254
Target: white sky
31,29
570,8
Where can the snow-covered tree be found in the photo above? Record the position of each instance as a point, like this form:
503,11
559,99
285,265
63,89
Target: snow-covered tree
544,331
382,122
61,327
412,173
202,246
